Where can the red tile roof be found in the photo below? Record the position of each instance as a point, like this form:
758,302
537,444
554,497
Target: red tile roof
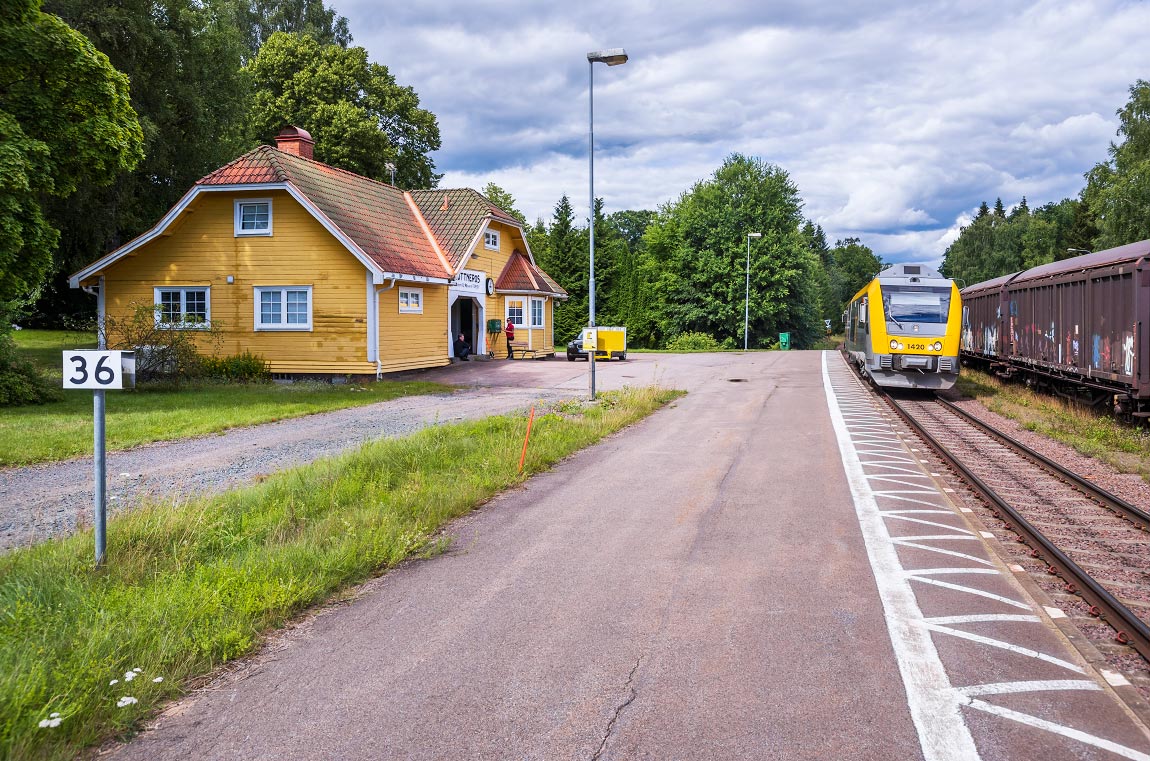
421,234
520,275
376,216
455,216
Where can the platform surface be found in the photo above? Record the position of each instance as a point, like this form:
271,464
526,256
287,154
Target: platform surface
761,570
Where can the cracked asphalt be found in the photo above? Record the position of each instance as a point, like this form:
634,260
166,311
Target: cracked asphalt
694,587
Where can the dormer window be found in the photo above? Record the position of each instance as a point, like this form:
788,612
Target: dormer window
491,240
254,216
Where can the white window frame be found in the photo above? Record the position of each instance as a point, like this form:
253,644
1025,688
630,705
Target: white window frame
491,240
238,217
542,313
409,308
183,289
522,301
260,327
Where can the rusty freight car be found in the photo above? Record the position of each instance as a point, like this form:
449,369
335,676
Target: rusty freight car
1075,327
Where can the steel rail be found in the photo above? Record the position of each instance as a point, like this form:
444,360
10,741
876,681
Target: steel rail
1131,629
1139,517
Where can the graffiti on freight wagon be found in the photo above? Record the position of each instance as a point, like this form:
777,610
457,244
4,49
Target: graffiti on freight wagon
1109,352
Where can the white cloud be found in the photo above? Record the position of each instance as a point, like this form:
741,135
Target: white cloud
893,121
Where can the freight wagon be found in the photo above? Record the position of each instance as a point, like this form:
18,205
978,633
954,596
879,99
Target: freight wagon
1075,327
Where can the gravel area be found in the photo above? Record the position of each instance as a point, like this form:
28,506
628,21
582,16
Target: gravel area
1128,486
49,500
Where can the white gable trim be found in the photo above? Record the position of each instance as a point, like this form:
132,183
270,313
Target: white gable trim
522,234
378,275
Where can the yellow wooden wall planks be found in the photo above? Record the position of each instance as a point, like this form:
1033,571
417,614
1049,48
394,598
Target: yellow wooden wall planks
200,249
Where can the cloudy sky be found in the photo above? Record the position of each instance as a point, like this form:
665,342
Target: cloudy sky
895,120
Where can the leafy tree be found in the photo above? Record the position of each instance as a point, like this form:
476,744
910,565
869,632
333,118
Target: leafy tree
992,246
260,19
856,266
700,242
360,117
65,119
1118,190
183,58
503,200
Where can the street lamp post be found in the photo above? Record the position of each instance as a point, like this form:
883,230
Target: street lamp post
611,57
747,305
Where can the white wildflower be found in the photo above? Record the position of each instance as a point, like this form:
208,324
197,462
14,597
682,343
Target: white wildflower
114,681
158,679
51,723
129,676
53,715
137,670
127,700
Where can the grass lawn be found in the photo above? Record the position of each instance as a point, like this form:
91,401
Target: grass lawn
60,430
45,347
191,585
1125,447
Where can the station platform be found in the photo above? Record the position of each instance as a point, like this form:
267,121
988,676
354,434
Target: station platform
763,570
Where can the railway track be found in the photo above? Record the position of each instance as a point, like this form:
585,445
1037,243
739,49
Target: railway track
1096,542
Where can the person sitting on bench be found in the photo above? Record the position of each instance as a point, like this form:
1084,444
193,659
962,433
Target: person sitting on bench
462,348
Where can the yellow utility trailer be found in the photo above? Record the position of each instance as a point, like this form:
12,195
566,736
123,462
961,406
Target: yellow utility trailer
611,343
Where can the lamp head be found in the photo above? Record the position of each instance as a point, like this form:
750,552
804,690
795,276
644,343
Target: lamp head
611,57
754,235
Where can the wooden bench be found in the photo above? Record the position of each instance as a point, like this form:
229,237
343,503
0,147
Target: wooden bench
520,348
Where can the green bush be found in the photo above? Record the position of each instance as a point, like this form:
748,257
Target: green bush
244,367
164,351
20,382
693,342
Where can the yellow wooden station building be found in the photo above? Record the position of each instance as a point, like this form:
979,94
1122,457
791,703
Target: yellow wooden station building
326,272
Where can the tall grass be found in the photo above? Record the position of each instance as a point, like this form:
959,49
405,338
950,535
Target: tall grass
1123,446
189,586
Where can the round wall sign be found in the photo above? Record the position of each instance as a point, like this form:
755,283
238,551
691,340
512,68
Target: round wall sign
490,287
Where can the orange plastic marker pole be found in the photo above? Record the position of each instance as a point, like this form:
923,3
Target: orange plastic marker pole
523,457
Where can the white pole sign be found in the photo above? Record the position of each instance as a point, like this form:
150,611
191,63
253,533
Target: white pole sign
93,369
99,371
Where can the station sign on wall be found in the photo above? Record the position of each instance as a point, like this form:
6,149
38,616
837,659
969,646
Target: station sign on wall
468,283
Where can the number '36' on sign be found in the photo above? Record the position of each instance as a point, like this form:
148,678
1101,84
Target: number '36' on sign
99,369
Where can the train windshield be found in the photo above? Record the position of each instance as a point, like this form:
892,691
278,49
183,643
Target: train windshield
908,303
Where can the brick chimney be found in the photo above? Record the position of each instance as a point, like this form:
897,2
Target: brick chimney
296,141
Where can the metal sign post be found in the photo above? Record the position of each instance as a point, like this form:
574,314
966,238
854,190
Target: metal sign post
99,371
591,345
100,474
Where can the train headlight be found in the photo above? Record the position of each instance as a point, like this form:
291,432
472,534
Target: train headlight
937,346
894,344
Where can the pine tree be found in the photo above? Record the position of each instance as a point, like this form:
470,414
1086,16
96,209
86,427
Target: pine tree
999,209
566,261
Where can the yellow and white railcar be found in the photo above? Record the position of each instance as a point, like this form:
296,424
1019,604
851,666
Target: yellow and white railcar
903,328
